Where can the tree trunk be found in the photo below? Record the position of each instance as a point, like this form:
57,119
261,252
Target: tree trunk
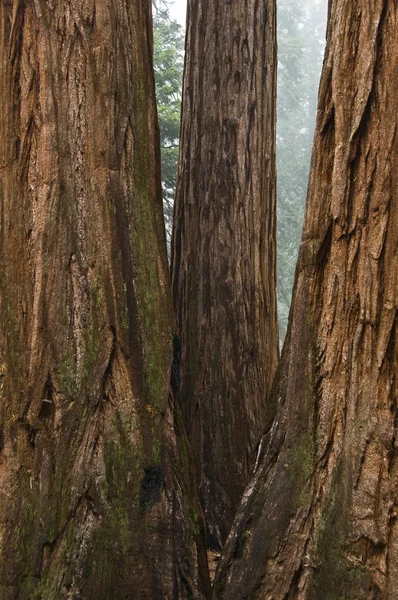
223,249
97,497
319,518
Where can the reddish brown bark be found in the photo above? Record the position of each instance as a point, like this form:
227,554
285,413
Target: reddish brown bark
319,519
223,251
97,497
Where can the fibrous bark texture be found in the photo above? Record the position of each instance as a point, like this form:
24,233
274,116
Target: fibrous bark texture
97,496
319,519
223,248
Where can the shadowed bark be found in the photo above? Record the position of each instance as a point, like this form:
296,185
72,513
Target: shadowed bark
223,249
319,518
97,493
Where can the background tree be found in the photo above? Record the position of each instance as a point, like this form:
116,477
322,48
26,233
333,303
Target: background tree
223,251
319,518
301,36
301,40
168,63
97,496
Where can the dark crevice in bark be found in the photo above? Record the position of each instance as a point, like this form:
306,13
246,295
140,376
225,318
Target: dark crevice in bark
151,486
47,407
176,369
293,593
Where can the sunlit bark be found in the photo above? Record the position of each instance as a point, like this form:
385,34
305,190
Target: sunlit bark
319,519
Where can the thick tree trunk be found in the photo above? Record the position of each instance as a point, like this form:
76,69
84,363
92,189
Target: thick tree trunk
223,249
97,496
319,519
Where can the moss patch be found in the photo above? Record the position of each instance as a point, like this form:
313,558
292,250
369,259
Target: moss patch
335,578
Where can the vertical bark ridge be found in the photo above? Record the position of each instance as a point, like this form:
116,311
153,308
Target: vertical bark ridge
223,249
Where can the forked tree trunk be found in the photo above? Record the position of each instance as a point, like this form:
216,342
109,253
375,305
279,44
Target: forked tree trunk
319,519
223,249
97,498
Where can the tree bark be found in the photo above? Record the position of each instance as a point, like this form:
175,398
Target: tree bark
319,518
223,248
97,492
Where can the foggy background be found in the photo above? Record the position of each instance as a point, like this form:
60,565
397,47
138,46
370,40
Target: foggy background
178,11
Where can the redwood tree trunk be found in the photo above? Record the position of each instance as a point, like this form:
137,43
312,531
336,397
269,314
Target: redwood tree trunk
223,248
97,496
319,519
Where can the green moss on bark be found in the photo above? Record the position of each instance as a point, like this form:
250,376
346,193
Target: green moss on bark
335,578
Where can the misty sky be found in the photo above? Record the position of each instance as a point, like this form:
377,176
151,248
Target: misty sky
178,10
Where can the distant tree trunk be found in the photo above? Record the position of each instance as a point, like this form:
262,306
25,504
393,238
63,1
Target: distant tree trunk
223,249
319,519
97,495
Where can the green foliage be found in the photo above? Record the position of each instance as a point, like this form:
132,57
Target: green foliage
301,31
168,64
